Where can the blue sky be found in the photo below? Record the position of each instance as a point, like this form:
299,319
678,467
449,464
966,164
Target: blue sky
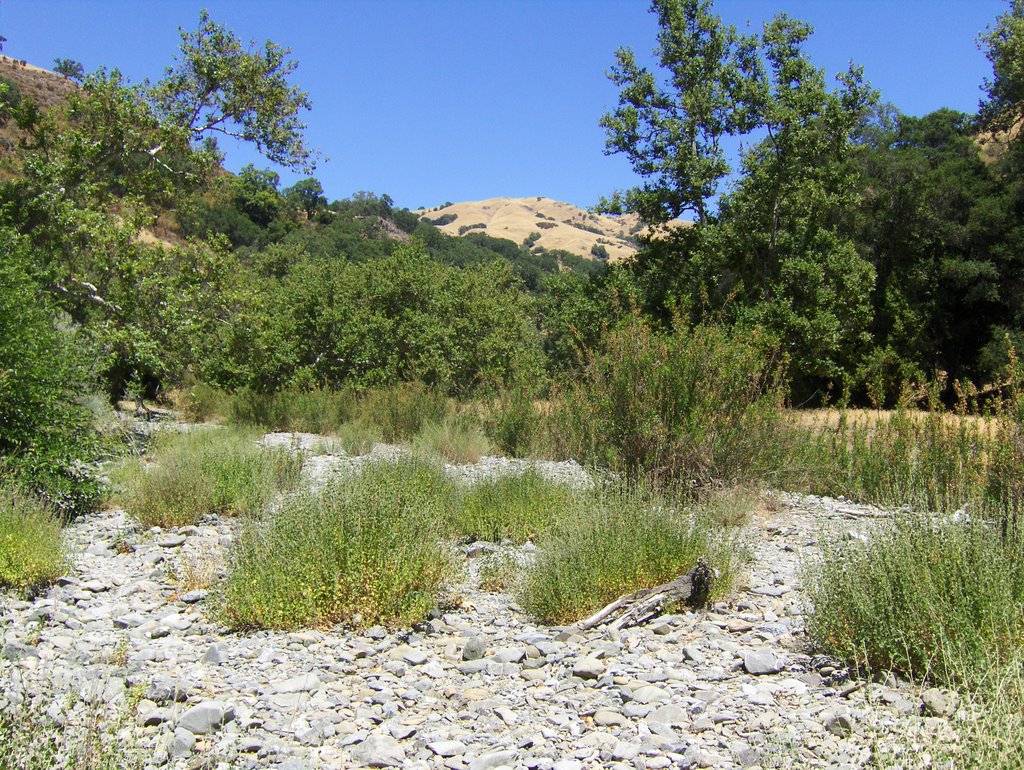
434,100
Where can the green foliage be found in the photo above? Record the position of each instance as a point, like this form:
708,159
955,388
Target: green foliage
513,422
401,411
687,405
31,550
606,544
293,409
458,438
516,507
1003,45
363,551
45,435
69,68
47,733
923,597
215,470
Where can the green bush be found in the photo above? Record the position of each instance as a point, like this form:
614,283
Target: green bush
44,369
31,550
513,423
363,551
925,597
400,411
217,470
614,542
293,409
690,405
515,507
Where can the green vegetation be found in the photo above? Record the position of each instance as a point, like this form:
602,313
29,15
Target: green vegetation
363,551
83,739
516,507
617,541
690,405
216,470
31,551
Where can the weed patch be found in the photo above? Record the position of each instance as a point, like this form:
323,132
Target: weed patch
208,471
617,541
31,551
365,550
516,507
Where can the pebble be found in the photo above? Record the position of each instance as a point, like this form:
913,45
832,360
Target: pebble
481,686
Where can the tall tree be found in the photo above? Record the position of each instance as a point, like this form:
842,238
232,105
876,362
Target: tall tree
671,127
1003,44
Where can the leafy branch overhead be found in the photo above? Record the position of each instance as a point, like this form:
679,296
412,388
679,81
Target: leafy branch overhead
219,86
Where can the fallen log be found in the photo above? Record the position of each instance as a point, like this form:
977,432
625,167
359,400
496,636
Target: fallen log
640,606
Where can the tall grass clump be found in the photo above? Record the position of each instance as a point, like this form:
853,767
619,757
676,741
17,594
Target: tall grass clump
925,596
31,738
457,438
31,551
614,542
400,411
513,423
363,551
208,471
198,402
517,507
691,405
294,409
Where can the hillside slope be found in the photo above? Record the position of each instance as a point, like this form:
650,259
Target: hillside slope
549,224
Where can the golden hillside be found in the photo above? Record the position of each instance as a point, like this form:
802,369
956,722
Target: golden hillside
549,224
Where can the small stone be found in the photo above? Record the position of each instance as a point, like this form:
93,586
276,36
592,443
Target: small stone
839,725
588,668
669,715
182,743
493,760
447,748
415,657
474,648
762,661
649,694
379,751
197,595
301,683
938,703
608,718
206,718
216,654
171,541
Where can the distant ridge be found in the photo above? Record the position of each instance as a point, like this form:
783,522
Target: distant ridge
544,224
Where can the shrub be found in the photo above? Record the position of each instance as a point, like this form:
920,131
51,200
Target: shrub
199,402
515,507
208,471
513,423
615,542
363,551
293,409
925,597
31,551
691,405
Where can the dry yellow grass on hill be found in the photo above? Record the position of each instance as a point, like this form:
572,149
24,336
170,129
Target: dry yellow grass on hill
559,225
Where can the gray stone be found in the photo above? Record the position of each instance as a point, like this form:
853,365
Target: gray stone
649,694
171,541
447,748
474,648
938,703
207,717
301,683
492,760
608,718
839,725
217,653
763,661
588,668
182,743
379,751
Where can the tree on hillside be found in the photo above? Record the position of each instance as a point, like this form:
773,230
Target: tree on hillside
69,68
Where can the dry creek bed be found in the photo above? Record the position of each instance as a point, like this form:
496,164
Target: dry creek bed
480,686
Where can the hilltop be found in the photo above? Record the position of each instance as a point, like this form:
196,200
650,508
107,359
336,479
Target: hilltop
543,223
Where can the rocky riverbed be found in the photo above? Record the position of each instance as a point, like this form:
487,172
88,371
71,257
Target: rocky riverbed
132,632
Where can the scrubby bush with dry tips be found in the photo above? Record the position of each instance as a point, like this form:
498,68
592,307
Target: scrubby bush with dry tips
31,550
216,470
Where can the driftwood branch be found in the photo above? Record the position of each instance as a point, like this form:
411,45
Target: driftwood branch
641,606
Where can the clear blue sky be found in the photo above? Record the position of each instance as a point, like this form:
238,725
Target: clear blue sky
434,100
